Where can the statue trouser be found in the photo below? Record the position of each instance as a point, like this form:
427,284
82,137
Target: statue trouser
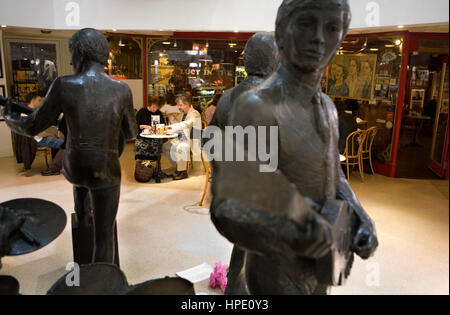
100,205
178,153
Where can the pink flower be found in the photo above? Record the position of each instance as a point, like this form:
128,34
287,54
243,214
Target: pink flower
219,277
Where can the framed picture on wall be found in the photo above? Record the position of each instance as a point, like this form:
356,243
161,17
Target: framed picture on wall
417,100
2,91
352,76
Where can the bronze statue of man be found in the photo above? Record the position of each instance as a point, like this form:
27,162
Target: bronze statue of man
99,115
278,219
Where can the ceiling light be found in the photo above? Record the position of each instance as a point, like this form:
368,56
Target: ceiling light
121,44
236,31
401,26
373,49
114,30
398,42
3,25
166,43
232,45
389,46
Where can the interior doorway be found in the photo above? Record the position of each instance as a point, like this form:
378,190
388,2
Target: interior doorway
424,127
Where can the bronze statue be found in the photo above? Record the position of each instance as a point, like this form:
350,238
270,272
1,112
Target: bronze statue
297,227
98,111
260,60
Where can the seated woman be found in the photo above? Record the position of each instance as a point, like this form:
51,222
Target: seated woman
144,148
170,111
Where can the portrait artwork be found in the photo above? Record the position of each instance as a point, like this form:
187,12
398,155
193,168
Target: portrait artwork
352,76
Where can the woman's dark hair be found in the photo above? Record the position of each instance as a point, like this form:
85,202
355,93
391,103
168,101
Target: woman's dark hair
153,100
216,99
161,101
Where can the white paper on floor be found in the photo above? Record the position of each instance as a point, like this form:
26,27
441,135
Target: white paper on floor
196,274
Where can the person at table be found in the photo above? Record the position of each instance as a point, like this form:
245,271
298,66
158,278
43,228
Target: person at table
146,149
178,150
144,115
170,111
48,137
347,124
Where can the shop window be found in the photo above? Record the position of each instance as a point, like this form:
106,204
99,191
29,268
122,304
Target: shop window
200,67
125,57
364,77
33,69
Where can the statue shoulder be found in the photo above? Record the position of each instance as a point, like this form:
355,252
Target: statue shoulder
253,109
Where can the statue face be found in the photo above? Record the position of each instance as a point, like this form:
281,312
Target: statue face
313,37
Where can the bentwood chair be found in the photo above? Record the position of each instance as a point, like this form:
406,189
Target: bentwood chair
208,170
366,152
47,152
353,152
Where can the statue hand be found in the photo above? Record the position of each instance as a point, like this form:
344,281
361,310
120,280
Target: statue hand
365,241
317,238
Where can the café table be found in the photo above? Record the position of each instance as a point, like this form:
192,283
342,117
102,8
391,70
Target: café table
159,174
418,119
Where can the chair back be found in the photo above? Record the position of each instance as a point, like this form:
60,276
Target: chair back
368,140
354,143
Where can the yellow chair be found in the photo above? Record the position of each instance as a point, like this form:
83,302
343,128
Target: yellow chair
366,153
353,149
47,151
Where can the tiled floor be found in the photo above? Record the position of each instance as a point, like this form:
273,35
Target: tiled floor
158,237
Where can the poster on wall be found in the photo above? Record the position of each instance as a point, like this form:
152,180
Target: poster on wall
352,76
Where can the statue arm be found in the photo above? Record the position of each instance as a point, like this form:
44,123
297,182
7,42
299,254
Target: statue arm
40,119
365,241
129,127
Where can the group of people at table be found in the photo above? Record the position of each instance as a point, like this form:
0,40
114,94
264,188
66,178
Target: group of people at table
179,119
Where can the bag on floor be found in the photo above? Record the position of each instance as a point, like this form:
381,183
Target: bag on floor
143,172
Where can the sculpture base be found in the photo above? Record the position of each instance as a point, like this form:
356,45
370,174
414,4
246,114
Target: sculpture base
83,243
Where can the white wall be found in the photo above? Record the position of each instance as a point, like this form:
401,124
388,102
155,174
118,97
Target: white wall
5,133
201,15
137,89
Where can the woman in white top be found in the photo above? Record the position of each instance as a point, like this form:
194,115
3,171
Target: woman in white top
170,111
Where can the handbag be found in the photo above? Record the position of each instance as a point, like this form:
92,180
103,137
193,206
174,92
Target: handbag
143,172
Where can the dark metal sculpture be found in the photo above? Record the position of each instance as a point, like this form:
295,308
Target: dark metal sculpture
295,229
260,60
98,110
27,225
107,279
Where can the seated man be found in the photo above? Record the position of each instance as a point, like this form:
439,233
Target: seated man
178,150
47,138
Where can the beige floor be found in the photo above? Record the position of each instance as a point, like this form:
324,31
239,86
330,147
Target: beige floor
158,237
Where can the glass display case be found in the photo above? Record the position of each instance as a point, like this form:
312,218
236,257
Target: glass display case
33,68
200,67
125,57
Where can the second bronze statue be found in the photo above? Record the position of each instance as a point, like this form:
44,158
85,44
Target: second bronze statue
98,110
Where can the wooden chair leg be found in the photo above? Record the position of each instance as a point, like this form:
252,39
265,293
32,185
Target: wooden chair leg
205,189
361,169
370,161
348,171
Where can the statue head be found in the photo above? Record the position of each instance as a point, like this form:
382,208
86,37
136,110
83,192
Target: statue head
261,54
309,32
86,45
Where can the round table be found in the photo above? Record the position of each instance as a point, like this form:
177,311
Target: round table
159,174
